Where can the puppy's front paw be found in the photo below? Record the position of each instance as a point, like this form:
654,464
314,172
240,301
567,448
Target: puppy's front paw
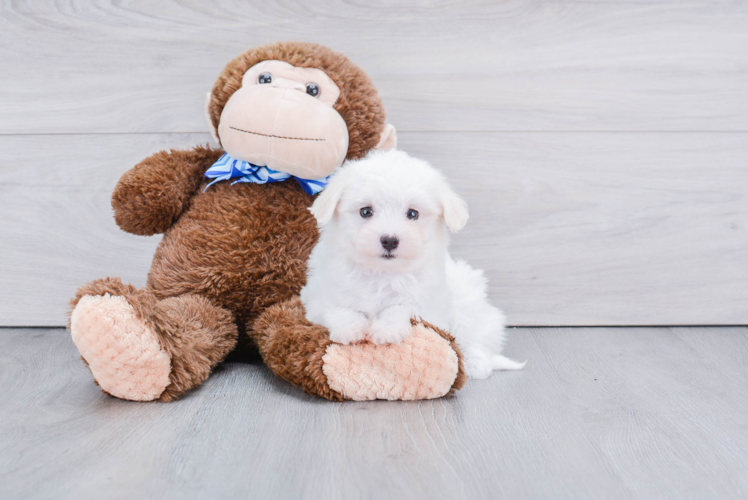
347,335
347,327
389,330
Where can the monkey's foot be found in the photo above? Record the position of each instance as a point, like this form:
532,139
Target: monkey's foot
121,350
423,366
426,365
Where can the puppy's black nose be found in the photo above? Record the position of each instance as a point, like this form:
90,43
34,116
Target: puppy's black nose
389,243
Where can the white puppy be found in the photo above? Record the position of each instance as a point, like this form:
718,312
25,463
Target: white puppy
382,259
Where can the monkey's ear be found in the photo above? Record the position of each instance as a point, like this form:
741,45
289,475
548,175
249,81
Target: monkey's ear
454,208
213,130
324,206
388,139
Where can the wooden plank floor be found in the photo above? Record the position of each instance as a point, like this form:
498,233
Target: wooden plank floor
597,413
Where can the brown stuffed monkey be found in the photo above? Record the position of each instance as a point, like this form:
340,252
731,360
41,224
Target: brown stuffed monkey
236,241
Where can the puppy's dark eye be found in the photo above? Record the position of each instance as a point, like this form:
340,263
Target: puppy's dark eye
312,89
366,212
265,78
412,214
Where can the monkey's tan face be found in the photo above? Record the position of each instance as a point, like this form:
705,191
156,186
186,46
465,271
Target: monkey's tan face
283,118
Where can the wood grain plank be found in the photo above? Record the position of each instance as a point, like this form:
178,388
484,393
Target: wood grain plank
442,66
597,413
246,433
603,229
572,229
718,345
650,401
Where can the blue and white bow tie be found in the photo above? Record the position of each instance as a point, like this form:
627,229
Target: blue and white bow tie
229,168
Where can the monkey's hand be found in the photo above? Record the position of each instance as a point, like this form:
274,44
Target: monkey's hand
150,197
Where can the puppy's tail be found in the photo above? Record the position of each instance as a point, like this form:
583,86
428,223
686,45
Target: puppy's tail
499,362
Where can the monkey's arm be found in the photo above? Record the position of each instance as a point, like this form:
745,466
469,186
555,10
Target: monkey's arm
150,197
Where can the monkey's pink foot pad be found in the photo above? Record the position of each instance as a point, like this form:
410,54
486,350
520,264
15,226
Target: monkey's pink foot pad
121,350
423,366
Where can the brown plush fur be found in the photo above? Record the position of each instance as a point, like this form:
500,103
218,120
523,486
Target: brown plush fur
359,103
151,196
196,334
243,246
292,347
232,251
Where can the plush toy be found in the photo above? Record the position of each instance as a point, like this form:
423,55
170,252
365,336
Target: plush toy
237,235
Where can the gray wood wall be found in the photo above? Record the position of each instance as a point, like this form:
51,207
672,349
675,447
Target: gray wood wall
602,146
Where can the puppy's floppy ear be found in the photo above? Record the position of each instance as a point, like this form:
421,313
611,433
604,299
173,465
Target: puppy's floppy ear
454,209
324,206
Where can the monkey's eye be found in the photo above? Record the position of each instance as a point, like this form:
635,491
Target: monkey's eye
312,89
366,212
265,78
412,214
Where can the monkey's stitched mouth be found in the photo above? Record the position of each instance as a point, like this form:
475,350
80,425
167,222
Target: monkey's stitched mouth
277,136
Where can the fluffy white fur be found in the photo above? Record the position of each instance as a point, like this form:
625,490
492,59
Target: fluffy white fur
360,290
